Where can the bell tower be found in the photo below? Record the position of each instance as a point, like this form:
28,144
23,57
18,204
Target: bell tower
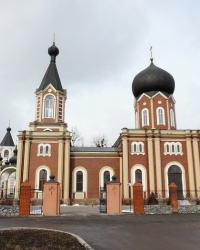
50,96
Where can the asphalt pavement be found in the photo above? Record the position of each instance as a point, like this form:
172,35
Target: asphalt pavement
119,232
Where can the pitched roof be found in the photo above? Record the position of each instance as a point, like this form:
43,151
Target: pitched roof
51,75
94,149
7,140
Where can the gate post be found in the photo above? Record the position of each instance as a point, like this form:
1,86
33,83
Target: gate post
51,197
24,199
114,196
173,197
138,200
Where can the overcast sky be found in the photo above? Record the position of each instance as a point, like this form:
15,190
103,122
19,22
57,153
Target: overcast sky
103,44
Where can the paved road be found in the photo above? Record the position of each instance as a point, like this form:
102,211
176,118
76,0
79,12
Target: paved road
122,232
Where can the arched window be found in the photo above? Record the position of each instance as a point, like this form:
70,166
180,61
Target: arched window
138,175
136,120
137,148
42,178
44,150
145,117
49,106
160,116
172,119
106,178
79,181
6,153
41,149
173,148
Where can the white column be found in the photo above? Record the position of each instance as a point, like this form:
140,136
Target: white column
18,168
151,164
196,163
67,168
190,165
158,165
26,160
125,167
60,163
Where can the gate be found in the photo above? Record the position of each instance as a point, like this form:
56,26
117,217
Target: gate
103,201
36,202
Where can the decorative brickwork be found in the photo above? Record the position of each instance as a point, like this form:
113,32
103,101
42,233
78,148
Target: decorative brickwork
25,195
138,200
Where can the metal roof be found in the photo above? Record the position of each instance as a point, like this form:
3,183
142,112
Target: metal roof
7,140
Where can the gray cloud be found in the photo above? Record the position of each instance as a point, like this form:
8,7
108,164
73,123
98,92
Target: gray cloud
103,45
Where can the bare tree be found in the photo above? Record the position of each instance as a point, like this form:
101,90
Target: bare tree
77,139
100,141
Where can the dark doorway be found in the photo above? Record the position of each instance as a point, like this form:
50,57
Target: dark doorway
175,175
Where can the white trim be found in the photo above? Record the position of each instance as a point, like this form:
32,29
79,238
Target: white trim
144,175
172,118
85,179
54,106
101,175
37,174
175,145
137,151
166,177
44,145
147,118
158,116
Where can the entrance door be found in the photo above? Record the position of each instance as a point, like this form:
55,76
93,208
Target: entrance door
175,175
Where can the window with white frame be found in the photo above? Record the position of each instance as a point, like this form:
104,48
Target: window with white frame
173,148
145,117
49,107
160,116
172,119
139,173
44,150
6,153
79,181
137,148
105,176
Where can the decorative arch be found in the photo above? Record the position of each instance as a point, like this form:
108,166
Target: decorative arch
49,106
74,180
145,117
101,175
37,175
166,170
160,114
172,118
143,173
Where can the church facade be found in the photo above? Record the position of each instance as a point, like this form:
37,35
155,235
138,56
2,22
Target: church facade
155,152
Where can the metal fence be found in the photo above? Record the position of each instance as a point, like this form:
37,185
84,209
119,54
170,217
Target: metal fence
103,201
36,202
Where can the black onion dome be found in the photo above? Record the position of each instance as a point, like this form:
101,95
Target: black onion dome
153,79
53,51
13,159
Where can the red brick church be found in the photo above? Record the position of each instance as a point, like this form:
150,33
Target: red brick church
155,152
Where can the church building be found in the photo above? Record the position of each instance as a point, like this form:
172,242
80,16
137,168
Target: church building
155,152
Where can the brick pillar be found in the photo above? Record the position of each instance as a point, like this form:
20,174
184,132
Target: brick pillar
114,197
51,197
24,200
138,199
173,197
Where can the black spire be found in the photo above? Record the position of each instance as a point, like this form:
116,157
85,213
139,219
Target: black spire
7,140
51,75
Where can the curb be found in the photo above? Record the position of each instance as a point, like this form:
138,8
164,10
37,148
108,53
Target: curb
80,240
